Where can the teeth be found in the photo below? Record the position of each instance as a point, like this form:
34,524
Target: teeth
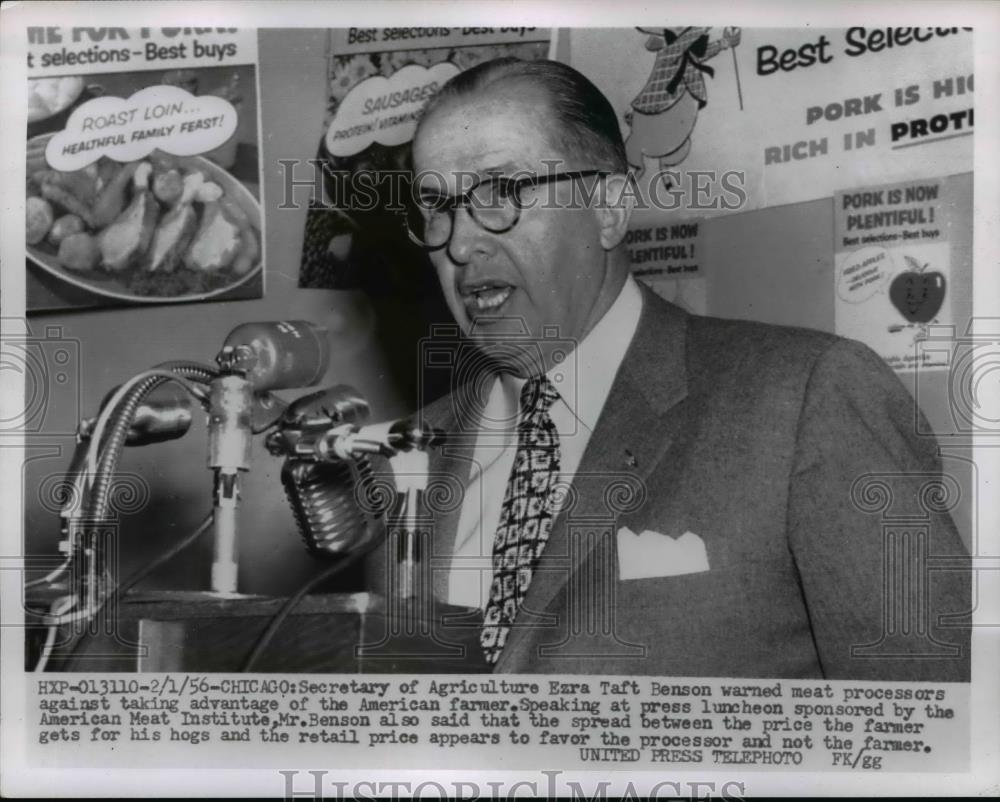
491,297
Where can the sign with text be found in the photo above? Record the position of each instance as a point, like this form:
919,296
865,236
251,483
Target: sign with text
667,258
143,166
648,723
893,268
798,113
380,80
665,251
72,51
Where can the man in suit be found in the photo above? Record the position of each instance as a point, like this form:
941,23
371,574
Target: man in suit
640,490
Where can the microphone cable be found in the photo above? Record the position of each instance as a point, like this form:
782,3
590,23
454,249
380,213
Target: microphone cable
407,483
291,603
133,579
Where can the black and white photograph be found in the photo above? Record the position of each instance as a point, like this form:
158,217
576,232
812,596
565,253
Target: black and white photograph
486,400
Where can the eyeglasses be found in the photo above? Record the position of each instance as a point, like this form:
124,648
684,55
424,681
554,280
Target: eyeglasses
495,203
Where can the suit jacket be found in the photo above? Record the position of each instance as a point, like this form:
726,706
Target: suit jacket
792,455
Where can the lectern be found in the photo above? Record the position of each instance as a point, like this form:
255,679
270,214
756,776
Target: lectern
330,633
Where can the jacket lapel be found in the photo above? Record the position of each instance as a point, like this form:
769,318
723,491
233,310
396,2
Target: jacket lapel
633,432
457,416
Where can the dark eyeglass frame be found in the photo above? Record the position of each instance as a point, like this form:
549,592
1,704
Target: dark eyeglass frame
508,188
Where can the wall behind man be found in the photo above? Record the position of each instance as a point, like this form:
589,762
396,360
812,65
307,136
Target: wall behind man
773,265
776,265
115,344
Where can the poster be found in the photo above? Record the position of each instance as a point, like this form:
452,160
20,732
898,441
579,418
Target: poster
668,259
727,119
143,166
893,269
379,81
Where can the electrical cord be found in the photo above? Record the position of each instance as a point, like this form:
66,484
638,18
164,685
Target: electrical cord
140,574
285,610
75,505
58,607
70,509
410,470
70,514
52,576
133,579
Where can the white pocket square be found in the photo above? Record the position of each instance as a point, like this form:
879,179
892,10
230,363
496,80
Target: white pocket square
651,554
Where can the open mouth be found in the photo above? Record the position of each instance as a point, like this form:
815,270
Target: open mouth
488,297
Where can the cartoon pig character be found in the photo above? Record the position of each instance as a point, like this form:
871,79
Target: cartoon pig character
663,114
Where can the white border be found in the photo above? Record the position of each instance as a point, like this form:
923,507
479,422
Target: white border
985,724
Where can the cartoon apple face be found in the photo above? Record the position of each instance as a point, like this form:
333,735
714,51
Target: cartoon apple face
918,294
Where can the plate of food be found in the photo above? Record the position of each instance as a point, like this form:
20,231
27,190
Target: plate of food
48,97
160,229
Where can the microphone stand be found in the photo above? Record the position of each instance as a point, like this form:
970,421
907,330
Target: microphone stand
229,449
256,357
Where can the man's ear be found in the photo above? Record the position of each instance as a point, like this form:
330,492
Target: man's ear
615,210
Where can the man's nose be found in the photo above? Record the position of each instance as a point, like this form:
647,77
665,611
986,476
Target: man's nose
468,238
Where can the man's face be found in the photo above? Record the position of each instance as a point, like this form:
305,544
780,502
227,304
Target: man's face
550,270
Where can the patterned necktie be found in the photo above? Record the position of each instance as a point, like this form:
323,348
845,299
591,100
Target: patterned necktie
526,515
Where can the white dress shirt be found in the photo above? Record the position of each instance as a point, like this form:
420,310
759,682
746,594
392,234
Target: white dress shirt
583,380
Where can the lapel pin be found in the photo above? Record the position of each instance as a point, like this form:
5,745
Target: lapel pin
630,459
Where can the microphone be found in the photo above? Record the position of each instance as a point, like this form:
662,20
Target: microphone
163,414
277,355
321,492
322,498
255,358
339,404
326,445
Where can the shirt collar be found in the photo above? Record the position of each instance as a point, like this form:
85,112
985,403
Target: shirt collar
584,378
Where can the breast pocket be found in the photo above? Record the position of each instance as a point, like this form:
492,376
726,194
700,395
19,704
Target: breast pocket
692,589
739,620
